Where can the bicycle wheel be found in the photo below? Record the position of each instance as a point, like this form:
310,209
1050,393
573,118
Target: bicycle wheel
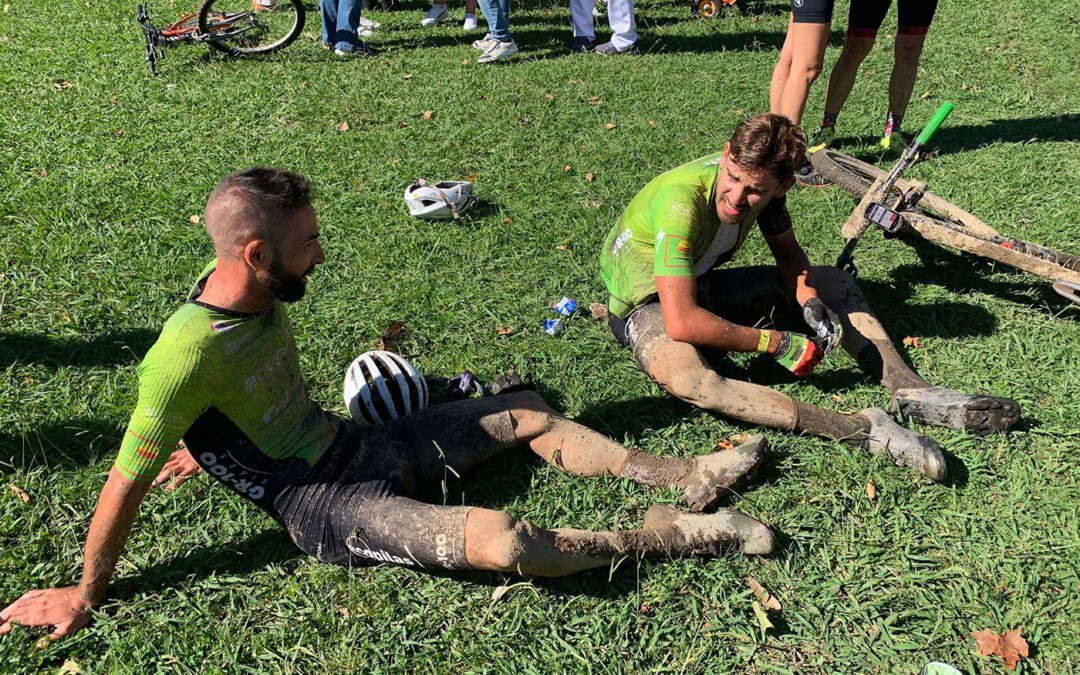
856,177
242,27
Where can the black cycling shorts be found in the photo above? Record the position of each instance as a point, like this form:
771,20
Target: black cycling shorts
812,11
913,16
357,504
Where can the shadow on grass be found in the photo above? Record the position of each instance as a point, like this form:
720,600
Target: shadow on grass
1056,129
959,273
70,444
111,348
249,555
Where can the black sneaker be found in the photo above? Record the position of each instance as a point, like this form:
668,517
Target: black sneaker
582,45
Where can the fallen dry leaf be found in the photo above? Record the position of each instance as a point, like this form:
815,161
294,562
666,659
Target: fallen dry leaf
767,600
609,126
593,100
598,310
925,94
65,317
652,123
871,490
391,335
762,617
7,8
724,444
913,342
61,84
464,62
120,132
344,126
195,219
20,493
549,97
589,177
343,611
72,667
508,221
566,169
575,81
504,331
41,173
1010,646
318,150
427,114
408,76
303,85
837,397
737,111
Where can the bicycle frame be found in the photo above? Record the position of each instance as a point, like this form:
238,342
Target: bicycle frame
186,30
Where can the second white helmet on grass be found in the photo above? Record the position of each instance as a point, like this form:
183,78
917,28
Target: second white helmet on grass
444,200
381,386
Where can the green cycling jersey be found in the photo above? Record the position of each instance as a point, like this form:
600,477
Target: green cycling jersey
243,365
671,228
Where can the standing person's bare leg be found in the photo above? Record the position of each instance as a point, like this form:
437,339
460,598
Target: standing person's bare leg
907,51
842,77
802,57
497,541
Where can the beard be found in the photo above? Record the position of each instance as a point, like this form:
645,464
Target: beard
286,287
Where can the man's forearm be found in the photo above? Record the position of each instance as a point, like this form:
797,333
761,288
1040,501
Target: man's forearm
116,511
705,329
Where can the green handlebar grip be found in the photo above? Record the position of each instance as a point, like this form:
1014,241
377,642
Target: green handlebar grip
930,129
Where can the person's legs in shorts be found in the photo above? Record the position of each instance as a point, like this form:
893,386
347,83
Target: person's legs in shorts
864,19
385,524
801,58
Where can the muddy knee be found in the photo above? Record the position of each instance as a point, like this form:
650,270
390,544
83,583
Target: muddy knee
496,541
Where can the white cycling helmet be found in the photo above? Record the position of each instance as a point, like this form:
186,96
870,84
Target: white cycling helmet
381,386
440,201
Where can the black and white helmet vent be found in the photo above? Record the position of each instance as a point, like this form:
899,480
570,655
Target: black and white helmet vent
381,386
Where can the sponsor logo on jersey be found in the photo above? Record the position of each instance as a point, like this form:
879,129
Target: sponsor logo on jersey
683,246
677,252
620,241
221,326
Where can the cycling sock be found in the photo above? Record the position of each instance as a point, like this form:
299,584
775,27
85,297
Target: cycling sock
829,121
892,124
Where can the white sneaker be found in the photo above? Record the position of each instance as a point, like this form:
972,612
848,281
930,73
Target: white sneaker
369,24
483,43
365,32
498,50
437,14
470,22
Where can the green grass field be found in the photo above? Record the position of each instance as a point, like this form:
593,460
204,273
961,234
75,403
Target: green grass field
103,166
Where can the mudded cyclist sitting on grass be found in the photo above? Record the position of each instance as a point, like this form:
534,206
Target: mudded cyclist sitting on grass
224,376
670,302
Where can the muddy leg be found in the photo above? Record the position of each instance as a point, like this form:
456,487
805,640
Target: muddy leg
581,451
496,541
864,336
913,397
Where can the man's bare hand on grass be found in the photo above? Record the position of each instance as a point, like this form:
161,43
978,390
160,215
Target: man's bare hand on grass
180,466
62,609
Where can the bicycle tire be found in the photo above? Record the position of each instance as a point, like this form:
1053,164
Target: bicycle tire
857,176
242,28
1022,255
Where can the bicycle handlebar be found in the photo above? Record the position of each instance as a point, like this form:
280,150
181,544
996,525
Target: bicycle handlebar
931,128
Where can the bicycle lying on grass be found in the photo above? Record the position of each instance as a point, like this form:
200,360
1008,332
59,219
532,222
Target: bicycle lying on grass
235,27
905,208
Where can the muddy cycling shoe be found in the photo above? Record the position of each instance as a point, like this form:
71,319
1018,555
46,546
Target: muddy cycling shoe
943,407
708,534
717,474
906,447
